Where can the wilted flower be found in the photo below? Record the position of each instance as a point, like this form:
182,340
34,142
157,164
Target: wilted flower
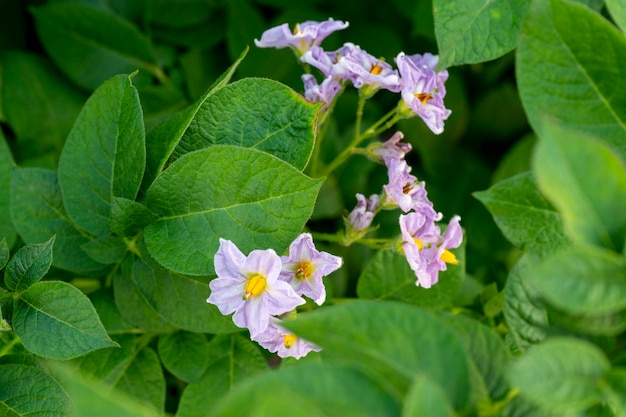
426,251
405,191
304,35
360,218
423,89
249,287
305,267
324,93
279,340
390,149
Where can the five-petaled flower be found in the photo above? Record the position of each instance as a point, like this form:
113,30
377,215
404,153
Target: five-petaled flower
305,267
249,287
303,36
285,344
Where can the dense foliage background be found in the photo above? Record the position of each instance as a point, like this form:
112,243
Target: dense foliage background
533,215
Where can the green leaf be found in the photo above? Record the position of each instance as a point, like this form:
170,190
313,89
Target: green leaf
184,354
28,265
486,349
4,252
159,299
244,24
55,320
231,359
394,340
40,104
312,389
240,194
582,280
387,276
523,215
561,373
525,313
90,45
163,139
7,229
37,212
477,30
104,156
106,250
426,398
516,160
254,113
144,380
617,9
28,391
104,303
562,74
586,182
128,217
109,365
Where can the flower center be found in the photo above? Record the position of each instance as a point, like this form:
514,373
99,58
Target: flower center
408,187
289,340
304,270
255,285
376,69
448,257
423,97
419,243
296,29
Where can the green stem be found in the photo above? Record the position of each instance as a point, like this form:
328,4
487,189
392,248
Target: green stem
7,348
317,146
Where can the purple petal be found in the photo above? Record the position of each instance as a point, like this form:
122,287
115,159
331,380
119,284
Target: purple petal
228,260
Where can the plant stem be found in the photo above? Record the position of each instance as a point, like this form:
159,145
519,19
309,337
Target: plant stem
7,348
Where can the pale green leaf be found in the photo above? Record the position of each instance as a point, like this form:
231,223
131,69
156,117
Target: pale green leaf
617,8
426,398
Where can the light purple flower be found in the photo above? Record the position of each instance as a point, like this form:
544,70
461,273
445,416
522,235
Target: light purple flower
305,267
279,340
249,287
324,93
390,149
360,218
324,61
303,36
425,249
423,89
363,69
405,191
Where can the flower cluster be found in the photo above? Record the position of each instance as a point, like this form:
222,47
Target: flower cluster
416,79
425,248
263,288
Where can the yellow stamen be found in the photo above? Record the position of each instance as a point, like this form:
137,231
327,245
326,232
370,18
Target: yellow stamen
255,285
296,29
448,257
423,97
419,243
408,187
376,69
289,340
304,270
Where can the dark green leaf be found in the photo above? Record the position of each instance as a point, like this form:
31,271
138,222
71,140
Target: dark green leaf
55,320
180,14
586,182
109,365
394,340
261,202
91,45
562,74
143,380
255,113
106,250
476,30
231,360
516,160
244,24
128,217
37,212
28,265
7,229
4,252
104,303
387,276
28,391
426,398
523,215
561,373
312,389
184,354
104,156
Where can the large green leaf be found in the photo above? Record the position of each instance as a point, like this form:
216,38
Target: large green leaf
184,354
163,139
387,276
561,374
28,265
569,68
104,156
617,8
254,113
426,398
55,320
586,182
393,340
90,45
109,365
230,359
312,389
38,213
143,380
523,215
582,280
471,31
28,391
235,193
7,230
